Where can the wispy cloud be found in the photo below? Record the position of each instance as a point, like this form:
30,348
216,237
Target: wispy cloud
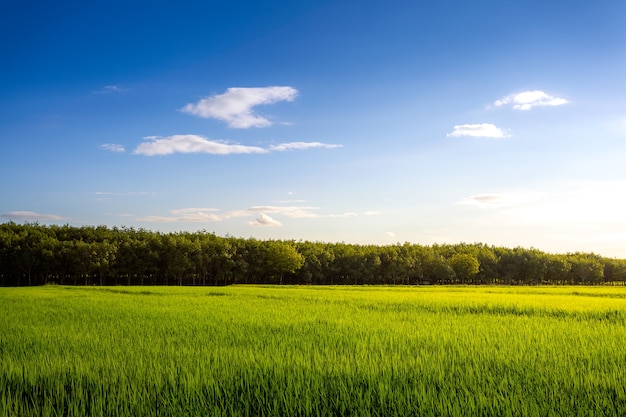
578,203
113,147
529,99
107,89
288,211
302,146
119,214
484,200
106,195
261,214
343,215
235,105
191,215
584,203
126,193
483,130
609,238
497,200
263,220
29,216
155,145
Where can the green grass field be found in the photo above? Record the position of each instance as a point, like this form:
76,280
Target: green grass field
296,351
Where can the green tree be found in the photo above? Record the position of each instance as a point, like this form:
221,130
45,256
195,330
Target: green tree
282,257
586,269
465,266
557,269
437,269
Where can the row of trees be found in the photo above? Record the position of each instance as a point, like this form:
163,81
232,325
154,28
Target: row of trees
32,254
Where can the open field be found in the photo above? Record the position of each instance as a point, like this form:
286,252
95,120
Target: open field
289,351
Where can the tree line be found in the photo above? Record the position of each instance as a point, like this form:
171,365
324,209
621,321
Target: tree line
34,254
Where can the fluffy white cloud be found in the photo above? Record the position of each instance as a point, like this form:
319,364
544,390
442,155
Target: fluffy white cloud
529,99
302,146
483,130
264,220
29,216
113,147
155,145
235,105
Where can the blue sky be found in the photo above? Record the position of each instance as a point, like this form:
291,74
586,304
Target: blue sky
501,122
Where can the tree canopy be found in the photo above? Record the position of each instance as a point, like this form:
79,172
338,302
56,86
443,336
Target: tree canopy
34,254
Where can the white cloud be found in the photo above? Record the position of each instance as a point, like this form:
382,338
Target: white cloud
529,99
582,204
194,210
343,215
264,220
586,203
110,89
609,238
191,215
113,147
235,105
128,193
289,211
497,200
302,146
155,145
106,196
217,215
484,200
483,130
119,214
30,216
559,216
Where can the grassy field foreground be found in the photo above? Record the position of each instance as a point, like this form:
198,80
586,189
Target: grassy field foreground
294,351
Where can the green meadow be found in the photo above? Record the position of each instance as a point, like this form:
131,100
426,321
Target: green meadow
305,351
